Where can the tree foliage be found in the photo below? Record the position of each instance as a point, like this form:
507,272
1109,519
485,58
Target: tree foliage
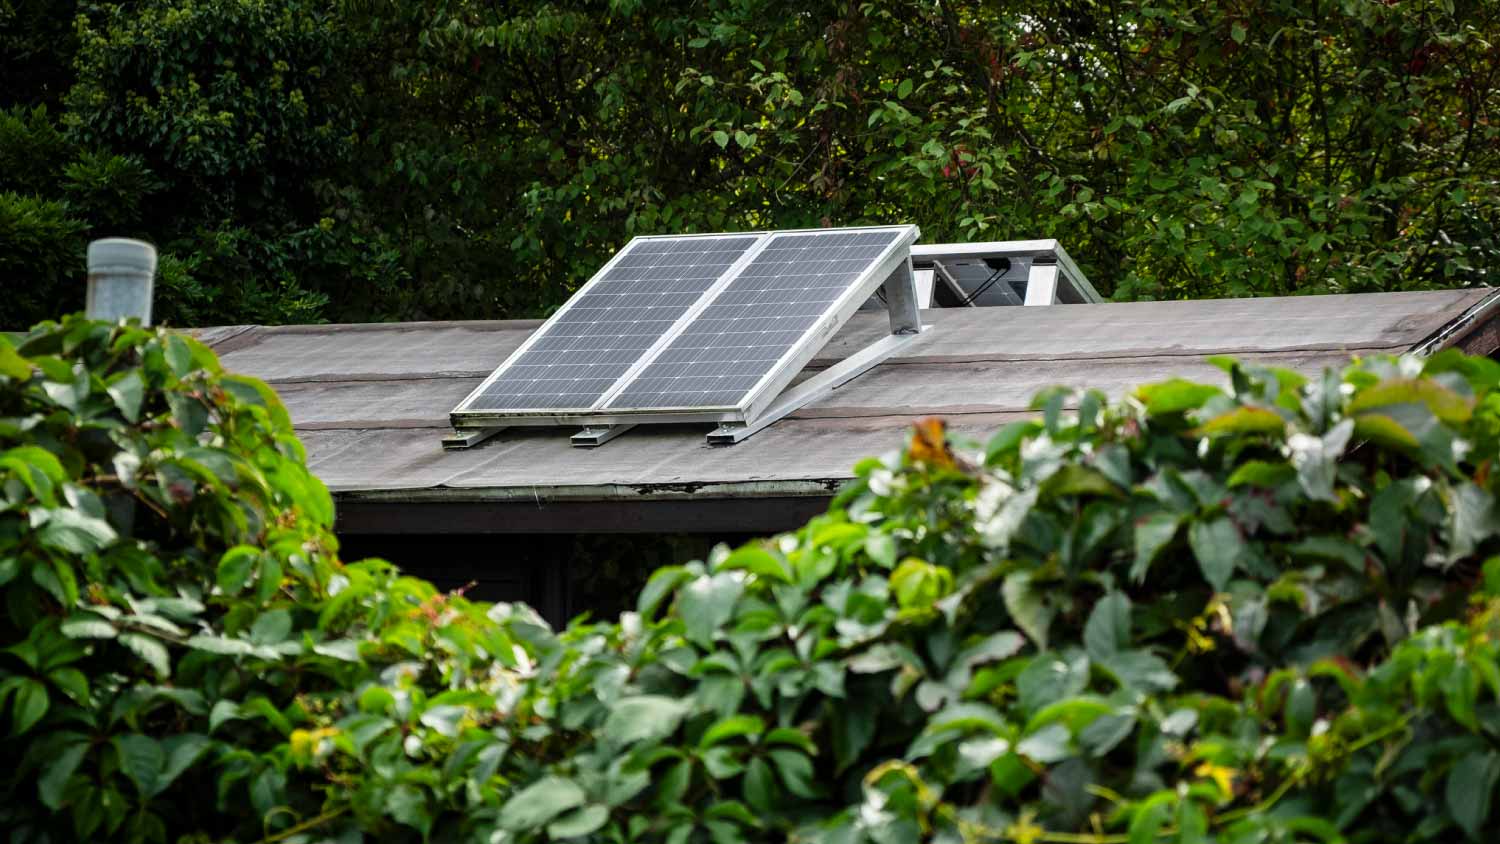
379,159
1266,612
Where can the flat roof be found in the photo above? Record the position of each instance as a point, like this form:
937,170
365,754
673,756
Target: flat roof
371,404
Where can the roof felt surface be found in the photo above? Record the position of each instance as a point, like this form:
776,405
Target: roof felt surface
371,402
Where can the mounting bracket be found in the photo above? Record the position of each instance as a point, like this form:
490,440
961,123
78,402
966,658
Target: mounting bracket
596,435
469,437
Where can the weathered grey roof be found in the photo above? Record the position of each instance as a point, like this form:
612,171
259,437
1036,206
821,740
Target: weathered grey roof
371,402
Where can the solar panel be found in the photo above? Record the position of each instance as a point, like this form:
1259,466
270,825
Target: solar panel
757,321
581,352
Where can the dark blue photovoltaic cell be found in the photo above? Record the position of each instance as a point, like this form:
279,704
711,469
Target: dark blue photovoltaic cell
762,313
581,353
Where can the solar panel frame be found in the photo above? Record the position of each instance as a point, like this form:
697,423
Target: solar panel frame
797,354
755,400
466,415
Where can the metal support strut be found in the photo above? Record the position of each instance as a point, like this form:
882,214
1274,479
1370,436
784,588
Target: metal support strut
815,387
906,325
468,438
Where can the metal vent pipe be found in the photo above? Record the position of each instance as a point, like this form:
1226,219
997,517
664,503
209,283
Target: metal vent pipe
121,274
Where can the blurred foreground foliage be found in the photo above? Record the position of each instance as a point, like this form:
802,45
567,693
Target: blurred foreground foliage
1267,612
355,160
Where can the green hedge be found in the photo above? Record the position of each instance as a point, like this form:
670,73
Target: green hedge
1261,613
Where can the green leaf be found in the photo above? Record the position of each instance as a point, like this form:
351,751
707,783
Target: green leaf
707,603
269,577
904,89
37,468
732,727
918,583
539,803
968,717
1150,816
1243,420
1152,534
581,821
74,683
1261,473
1073,479
408,805
53,783
1141,670
84,625
1009,438
760,786
1049,678
56,576
881,548
1218,545
1175,396
793,737
659,586
1237,32
1301,707
671,787
1315,458
28,706
1471,788
271,628
1047,745
149,649
1108,628
1383,430
181,751
1330,548
1027,606
758,561
644,718
796,772
220,645
1444,403
444,718
12,365
1472,518
346,650
224,710
721,138
128,391
235,568
1106,733
141,760
179,355
73,532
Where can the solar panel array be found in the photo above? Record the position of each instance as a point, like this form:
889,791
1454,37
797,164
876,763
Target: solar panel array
783,291
611,323
734,308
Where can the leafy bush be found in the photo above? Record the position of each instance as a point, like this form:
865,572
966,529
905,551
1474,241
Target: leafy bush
32,150
451,159
1254,614
42,262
